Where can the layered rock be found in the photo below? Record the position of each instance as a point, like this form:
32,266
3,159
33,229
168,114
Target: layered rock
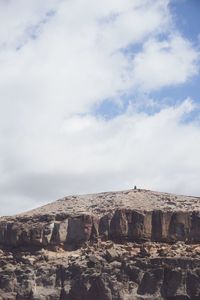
135,244
121,225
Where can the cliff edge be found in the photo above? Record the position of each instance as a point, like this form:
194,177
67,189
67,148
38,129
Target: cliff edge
135,244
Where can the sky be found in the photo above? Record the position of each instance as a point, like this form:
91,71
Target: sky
98,96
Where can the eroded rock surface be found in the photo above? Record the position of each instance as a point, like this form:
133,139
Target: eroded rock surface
134,244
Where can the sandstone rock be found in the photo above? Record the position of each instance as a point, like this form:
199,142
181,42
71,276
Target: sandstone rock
59,233
144,252
79,229
99,290
193,284
180,226
111,254
195,225
104,226
151,282
119,225
130,245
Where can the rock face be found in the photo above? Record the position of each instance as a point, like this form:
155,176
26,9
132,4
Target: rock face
135,244
121,225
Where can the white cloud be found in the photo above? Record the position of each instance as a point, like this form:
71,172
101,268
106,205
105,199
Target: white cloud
158,152
75,61
165,63
18,17
50,144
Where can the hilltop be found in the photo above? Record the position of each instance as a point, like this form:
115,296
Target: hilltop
135,244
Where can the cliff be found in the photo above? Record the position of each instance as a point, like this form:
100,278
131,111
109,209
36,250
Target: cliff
134,244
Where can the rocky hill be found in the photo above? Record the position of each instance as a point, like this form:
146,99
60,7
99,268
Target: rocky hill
134,244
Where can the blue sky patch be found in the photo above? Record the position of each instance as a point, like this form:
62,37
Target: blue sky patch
187,21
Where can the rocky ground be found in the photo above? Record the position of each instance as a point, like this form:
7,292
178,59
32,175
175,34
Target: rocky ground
102,270
103,203
127,245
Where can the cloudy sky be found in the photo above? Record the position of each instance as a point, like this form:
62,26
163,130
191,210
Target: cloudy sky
97,96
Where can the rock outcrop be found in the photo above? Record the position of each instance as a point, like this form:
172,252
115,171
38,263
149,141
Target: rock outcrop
135,244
